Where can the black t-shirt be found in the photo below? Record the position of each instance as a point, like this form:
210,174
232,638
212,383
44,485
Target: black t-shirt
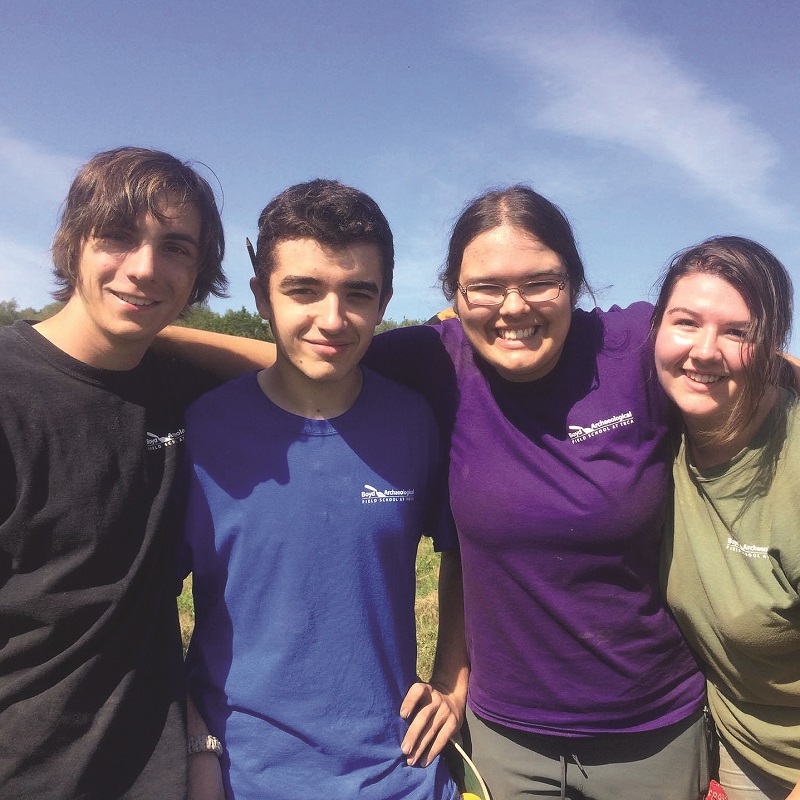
90,655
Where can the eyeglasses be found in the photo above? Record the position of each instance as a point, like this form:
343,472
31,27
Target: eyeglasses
493,294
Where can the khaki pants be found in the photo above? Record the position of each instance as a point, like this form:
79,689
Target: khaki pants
742,781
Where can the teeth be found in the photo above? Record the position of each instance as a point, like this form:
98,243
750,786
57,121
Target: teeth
697,377
524,333
133,300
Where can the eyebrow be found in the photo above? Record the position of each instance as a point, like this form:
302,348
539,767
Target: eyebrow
530,279
692,313
289,281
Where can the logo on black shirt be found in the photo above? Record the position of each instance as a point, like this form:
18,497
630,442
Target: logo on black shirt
156,442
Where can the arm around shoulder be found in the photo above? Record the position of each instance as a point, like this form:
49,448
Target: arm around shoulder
223,355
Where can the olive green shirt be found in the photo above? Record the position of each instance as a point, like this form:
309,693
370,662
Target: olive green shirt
730,571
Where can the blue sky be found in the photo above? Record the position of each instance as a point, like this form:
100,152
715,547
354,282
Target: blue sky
653,125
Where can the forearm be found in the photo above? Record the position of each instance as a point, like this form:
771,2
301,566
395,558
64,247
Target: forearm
205,771
451,663
223,355
195,724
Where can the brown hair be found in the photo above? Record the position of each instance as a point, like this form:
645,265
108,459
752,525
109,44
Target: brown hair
766,288
330,213
115,187
519,207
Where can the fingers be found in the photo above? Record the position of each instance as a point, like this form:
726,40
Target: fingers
418,693
434,722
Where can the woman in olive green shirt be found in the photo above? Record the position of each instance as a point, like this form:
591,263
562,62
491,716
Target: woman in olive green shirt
731,566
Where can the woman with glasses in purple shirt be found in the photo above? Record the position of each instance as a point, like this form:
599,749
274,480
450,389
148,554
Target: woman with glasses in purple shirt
580,682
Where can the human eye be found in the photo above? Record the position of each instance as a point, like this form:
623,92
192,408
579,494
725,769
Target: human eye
481,292
301,293
114,241
485,287
543,283
176,249
113,235
361,297
541,289
740,334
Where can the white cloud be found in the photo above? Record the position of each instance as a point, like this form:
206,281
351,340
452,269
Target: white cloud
592,77
32,171
25,274
35,182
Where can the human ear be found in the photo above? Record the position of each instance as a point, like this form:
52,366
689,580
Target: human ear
260,292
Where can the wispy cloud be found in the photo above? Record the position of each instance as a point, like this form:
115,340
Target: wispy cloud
32,170
35,181
24,274
593,77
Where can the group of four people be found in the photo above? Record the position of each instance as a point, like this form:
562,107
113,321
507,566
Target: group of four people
309,480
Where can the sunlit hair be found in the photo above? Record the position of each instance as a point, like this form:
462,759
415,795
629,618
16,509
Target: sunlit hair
113,189
766,288
518,207
331,214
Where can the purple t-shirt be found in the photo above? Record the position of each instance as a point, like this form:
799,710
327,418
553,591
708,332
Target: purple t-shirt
558,488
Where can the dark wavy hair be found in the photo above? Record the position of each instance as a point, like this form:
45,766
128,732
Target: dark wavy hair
114,188
766,288
330,213
519,207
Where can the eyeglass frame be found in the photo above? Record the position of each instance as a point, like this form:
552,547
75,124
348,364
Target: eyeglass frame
561,284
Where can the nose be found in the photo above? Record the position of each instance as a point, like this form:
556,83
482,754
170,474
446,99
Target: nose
514,303
332,317
140,263
704,345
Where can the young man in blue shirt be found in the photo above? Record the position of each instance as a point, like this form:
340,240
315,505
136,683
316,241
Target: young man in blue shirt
311,482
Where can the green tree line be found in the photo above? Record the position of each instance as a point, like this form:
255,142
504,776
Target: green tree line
236,323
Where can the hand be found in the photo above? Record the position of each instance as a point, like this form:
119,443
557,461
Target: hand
205,777
435,716
794,794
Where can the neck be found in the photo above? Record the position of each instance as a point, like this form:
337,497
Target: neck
705,447
308,398
71,332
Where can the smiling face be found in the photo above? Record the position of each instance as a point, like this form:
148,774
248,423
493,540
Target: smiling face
323,304
133,281
522,341
701,346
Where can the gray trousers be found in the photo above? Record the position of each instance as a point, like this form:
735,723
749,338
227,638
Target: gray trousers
670,763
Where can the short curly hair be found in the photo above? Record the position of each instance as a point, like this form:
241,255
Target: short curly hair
330,213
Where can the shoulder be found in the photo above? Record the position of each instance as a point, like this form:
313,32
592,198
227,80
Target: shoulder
634,319
28,363
189,380
615,331
17,343
393,397
421,356
222,399
789,403
403,343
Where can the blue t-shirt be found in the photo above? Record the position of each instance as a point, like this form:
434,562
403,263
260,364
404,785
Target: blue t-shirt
302,537
558,488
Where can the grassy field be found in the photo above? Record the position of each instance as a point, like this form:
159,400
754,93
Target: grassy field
426,607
